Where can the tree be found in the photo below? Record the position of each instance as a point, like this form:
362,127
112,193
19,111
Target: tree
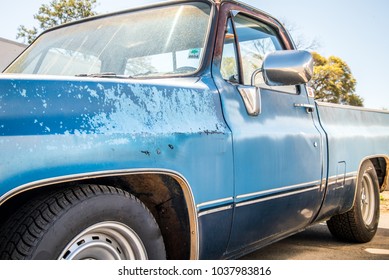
300,41
55,13
333,81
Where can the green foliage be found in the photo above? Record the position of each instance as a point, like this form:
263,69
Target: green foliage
29,35
228,68
55,13
333,81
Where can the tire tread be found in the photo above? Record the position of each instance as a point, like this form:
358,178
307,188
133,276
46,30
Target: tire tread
25,228
350,226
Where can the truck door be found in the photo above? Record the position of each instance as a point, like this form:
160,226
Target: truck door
277,153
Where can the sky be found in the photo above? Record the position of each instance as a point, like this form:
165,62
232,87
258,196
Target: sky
354,30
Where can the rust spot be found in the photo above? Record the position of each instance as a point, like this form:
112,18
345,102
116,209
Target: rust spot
210,132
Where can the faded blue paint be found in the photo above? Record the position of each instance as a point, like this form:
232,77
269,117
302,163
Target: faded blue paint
54,127
263,177
353,135
276,154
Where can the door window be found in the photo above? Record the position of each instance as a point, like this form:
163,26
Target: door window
255,40
229,66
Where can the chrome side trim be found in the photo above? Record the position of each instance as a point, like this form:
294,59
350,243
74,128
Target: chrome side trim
184,184
241,196
333,180
216,210
327,104
347,175
218,201
277,196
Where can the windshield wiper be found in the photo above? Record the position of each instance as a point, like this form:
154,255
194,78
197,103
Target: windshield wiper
103,75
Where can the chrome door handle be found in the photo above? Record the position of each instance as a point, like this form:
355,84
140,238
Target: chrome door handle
310,108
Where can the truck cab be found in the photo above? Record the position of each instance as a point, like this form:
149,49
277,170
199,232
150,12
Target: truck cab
182,130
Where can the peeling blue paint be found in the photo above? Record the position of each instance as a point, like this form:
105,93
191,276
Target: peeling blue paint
65,107
61,127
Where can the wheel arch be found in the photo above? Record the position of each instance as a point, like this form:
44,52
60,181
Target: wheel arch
381,166
165,193
360,223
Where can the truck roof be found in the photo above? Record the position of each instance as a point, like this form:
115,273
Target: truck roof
165,3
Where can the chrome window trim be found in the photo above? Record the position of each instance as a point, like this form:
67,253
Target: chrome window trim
184,184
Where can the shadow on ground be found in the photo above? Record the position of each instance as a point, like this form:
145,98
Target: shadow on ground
317,243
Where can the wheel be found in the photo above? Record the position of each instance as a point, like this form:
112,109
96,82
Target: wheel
84,222
361,222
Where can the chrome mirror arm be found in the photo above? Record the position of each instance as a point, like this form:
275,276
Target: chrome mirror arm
254,75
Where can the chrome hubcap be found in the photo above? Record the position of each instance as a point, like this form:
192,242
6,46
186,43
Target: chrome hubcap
105,241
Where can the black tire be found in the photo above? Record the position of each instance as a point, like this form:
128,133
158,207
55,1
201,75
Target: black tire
361,222
59,225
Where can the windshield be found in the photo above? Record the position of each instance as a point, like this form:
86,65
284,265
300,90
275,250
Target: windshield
167,40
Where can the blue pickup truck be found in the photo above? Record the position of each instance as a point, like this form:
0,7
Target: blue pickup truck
182,130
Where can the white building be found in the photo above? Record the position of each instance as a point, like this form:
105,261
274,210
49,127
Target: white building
9,50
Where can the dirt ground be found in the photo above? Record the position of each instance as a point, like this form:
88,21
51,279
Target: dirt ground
317,243
385,201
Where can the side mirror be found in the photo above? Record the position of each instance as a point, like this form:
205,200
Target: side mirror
286,68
